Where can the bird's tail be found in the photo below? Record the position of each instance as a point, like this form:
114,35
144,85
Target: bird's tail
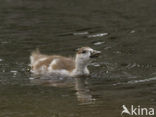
34,56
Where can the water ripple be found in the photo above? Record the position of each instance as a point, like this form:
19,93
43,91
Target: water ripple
98,43
97,35
80,33
135,81
1,59
141,81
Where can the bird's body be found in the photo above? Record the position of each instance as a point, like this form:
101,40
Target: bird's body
43,64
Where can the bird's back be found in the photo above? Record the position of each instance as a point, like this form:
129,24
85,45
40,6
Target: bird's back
48,63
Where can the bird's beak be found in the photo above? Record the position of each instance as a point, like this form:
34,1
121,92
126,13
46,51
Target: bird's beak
95,53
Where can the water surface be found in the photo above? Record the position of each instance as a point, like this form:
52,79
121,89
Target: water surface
125,32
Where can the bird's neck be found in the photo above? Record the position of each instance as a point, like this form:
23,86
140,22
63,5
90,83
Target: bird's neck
80,67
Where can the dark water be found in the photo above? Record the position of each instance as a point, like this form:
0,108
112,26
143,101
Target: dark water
125,32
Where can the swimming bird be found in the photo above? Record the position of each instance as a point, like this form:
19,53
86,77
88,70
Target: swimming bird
77,66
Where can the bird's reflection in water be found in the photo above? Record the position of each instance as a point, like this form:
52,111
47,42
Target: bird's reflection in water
82,91
79,84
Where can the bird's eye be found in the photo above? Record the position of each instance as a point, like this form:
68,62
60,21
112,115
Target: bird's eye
84,51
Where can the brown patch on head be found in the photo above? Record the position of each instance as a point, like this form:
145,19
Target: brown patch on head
81,50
